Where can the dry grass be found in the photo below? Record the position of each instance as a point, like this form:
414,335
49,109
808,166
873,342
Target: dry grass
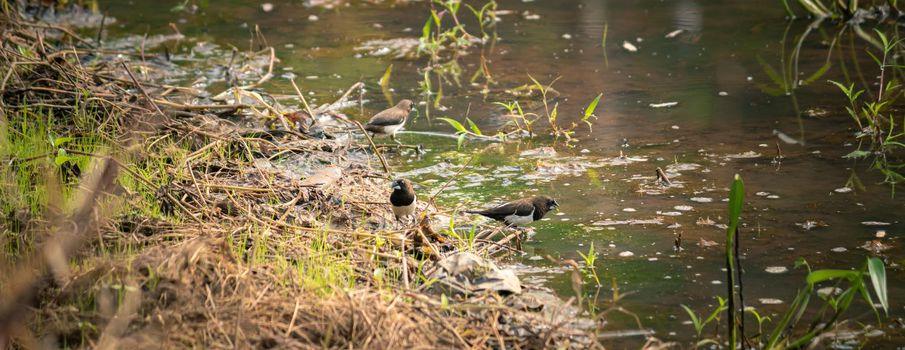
187,230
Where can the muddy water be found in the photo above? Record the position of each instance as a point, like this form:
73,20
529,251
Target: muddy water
723,124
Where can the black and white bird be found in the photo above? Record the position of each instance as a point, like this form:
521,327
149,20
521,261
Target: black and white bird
390,120
520,212
403,199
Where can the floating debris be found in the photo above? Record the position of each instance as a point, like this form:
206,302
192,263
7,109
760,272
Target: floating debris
683,208
664,105
843,190
816,112
610,222
396,48
776,269
839,250
676,168
629,46
528,15
743,155
669,213
705,243
705,222
880,233
876,246
629,210
267,7
770,301
716,282
540,152
623,160
674,33
810,224
626,254
827,291
787,139
875,223
723,93
701,199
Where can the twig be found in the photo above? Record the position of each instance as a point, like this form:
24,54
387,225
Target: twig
304,101
386,167
141,88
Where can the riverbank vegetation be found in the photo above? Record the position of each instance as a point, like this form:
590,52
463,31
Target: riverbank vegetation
136,213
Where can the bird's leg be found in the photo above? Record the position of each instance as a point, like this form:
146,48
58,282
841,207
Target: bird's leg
393,137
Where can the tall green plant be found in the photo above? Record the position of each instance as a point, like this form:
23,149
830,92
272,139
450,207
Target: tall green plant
786,332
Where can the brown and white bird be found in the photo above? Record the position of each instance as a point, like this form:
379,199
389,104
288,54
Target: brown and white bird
390,120
521,211
403,199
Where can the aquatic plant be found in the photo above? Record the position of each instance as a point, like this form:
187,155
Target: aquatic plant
875,117
878,137
840,9
786,332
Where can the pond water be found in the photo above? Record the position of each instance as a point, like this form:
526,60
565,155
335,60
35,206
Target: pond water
729,119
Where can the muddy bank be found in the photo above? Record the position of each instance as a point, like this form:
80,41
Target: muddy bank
143,213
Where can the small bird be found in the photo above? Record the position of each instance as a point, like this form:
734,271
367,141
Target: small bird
520,212
390,120
403,199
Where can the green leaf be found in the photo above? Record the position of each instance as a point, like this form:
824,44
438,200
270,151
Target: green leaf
455,124
460,141
59,141
694,318
589,111
60,158
474,127
857,154
878,279
828,274
436,18
426,30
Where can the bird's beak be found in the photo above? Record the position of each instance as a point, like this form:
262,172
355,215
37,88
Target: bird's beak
397,187
554,206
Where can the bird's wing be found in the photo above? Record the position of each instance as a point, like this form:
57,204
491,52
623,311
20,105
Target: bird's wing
387,118
519,207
